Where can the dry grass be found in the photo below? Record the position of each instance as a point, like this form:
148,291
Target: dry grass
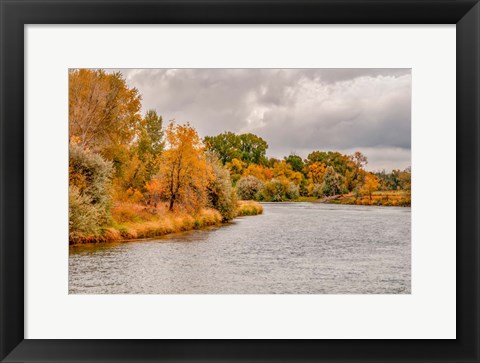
249,208
133,221
383,198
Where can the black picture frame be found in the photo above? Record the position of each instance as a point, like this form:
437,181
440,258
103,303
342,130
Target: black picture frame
15,14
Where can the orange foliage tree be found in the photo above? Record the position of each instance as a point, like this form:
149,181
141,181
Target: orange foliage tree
103,111
184,172
258,171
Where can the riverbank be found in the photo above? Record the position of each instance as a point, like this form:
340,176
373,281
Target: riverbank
391,198
131,221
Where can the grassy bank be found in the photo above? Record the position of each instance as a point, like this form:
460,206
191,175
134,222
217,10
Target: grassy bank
134,221
249,208
381,198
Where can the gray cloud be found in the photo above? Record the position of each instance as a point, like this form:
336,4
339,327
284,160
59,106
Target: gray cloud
294,110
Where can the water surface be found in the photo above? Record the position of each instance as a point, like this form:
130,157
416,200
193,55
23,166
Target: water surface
293,248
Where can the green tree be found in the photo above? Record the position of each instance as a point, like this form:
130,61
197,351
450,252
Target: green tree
248,148
296,162
406,180
150,135
226,146
253,149
150,144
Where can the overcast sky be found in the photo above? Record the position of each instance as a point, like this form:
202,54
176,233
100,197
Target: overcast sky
294,110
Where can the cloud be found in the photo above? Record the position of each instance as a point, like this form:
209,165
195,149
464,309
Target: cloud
292,109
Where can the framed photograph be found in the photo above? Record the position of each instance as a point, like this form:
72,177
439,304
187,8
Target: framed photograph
240,181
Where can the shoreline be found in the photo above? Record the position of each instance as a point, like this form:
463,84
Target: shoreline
147,230
379,199
146,239
330,203
154,226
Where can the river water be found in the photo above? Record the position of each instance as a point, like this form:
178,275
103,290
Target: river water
293,248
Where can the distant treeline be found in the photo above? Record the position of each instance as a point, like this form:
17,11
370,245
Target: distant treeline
121,160
321,174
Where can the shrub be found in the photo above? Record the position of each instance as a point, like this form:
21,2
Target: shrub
249,208
273,191
277,190
333,183
220,193
248,187
84,217
89,192
317,190
293,191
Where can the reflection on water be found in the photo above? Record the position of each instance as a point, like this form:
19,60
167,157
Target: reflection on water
293,248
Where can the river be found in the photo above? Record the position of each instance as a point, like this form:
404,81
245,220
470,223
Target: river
293,248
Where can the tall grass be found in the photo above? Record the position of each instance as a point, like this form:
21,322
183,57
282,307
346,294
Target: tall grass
134,221
249,208
381,198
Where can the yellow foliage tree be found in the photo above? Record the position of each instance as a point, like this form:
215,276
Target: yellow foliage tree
103,111
184,172
371,184
316,172
282,169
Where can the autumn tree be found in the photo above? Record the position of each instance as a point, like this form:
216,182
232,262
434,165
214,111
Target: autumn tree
103,111
316,172
339,162
370,185
184,173
359,160
258,171
355,174
284,170
235,167
130,184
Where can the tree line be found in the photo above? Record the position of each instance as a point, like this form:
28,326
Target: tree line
321,174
